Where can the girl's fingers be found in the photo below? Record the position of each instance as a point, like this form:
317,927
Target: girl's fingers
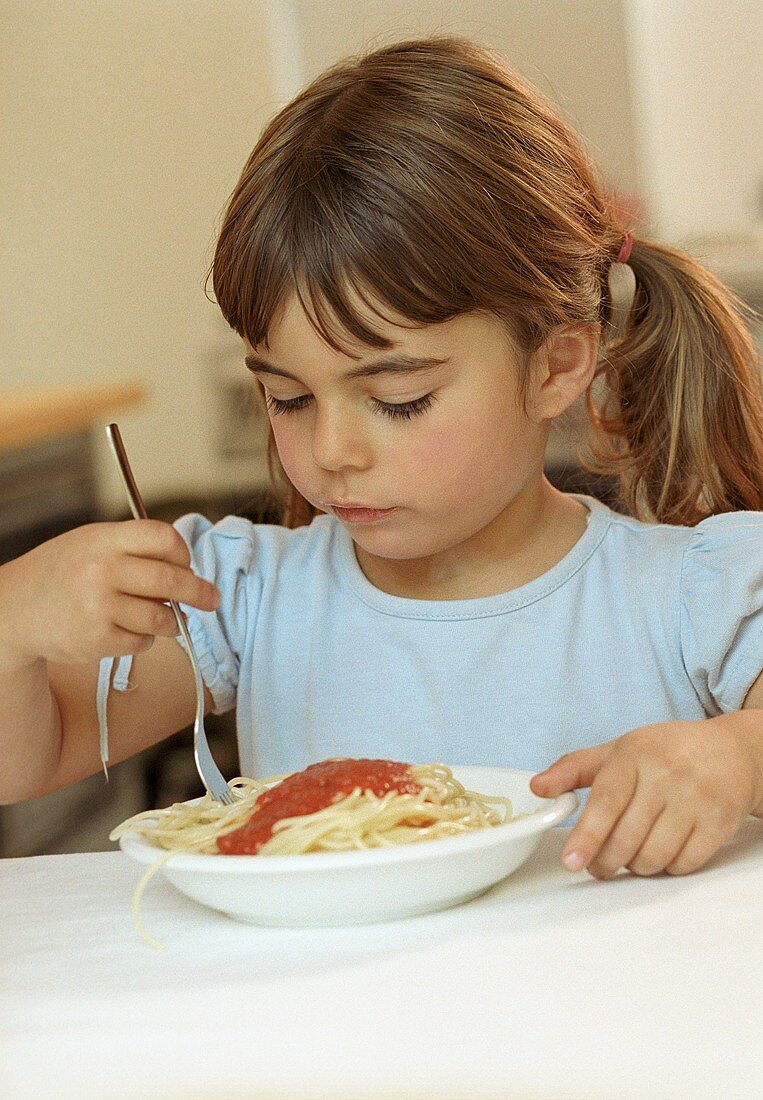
629,833
162,580
144,617
666,838
700,846
151,538
611,792
122,642
575,769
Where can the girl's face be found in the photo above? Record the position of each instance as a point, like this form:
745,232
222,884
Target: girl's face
419,450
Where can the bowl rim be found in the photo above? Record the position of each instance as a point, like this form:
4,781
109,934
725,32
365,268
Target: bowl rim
550,812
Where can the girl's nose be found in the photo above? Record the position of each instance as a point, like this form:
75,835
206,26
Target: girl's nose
338,441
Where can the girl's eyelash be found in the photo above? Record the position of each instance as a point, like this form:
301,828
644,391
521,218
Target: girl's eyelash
277,406
406,409
402,411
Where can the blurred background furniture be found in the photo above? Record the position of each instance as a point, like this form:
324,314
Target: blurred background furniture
48,478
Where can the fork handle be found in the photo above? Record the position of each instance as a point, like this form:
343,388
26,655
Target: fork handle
209,773
138,509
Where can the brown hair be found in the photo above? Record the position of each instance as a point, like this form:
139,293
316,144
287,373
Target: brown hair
429,177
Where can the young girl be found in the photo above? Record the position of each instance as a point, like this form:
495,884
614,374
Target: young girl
425,273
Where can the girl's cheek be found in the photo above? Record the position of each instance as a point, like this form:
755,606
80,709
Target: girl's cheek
293,451
278,436
443,454
287,432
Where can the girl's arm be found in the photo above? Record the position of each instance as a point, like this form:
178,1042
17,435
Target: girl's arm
94,592
663,797
58,743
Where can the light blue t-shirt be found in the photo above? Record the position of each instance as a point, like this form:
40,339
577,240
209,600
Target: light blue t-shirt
638,623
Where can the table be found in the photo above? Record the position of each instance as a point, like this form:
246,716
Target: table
34,416
551,985
48,479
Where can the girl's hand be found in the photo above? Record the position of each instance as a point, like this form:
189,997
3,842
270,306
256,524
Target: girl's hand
98,591
663,797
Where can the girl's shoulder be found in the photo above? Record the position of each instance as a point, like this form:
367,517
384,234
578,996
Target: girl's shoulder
721,599
701,586
722,567
719,559
729,533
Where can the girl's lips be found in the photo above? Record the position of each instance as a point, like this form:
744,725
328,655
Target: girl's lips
359,514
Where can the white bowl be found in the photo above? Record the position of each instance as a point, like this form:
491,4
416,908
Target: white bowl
377,884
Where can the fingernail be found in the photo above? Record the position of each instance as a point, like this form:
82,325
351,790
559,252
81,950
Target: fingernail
573,861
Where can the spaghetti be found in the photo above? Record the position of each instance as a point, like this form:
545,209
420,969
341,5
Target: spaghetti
333,806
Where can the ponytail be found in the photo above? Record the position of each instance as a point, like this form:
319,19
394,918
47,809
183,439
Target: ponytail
680,419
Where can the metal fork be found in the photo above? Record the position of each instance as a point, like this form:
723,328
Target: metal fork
210,774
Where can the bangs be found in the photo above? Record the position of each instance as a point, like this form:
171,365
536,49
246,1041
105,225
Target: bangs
344,256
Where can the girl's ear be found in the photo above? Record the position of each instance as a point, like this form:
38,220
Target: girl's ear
561,369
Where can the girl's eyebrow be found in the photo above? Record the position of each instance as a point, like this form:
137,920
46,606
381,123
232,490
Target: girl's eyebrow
397,364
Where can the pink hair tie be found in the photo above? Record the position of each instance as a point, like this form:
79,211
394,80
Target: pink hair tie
621,281
625,250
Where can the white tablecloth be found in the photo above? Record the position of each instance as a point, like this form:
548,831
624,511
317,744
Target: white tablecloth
552,985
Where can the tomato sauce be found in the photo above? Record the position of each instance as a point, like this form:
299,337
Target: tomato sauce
311,790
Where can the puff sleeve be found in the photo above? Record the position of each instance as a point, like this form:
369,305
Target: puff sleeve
721,608
222,553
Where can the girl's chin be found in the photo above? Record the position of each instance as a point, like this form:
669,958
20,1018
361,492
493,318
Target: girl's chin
392,546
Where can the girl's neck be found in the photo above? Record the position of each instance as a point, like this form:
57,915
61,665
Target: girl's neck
531,535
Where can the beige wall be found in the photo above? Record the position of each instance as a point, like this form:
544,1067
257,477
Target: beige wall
697,92
125,127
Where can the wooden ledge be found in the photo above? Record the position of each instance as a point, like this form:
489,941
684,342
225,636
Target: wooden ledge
31,416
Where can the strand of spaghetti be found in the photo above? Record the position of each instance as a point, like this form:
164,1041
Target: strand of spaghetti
350,817
199,825
137,898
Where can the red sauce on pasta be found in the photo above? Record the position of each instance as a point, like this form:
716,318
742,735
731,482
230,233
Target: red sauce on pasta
311,790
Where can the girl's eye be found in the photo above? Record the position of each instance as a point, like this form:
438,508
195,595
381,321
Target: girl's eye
406,409
276,405
401,411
